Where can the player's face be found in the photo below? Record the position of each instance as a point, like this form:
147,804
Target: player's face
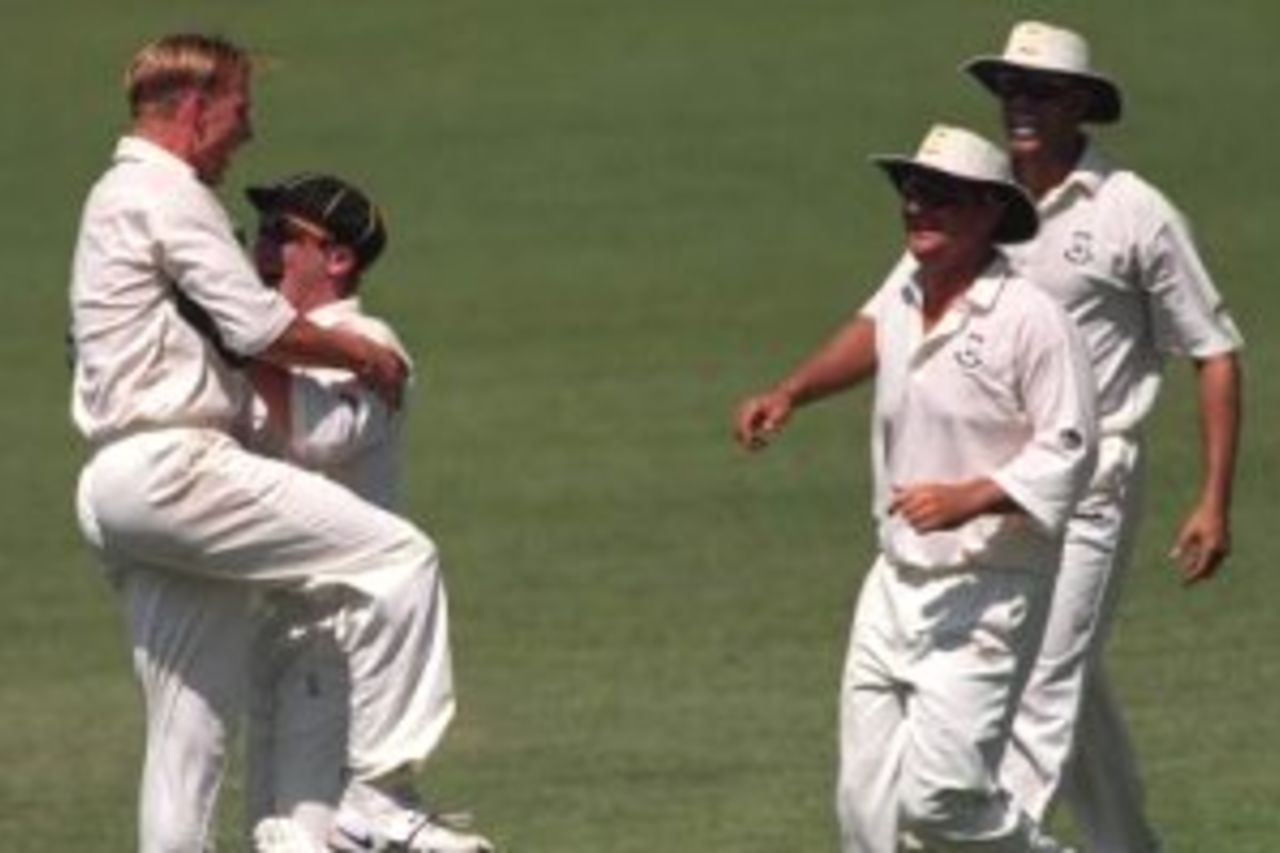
947,221
293,256
223,124
1042,112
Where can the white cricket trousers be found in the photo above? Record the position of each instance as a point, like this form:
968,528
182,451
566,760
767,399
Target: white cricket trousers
299,702
189,524
935,664
1069,738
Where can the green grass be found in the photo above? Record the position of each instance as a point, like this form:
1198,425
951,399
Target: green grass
609,221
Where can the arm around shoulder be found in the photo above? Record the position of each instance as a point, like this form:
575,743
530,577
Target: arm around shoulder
303,343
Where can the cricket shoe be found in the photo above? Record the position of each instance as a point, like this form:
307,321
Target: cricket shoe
370,820
282,835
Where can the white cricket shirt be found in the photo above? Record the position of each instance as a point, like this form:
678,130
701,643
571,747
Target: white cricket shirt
999,388
1121,259
149,226
339,427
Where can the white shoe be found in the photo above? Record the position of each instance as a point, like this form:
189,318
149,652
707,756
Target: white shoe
370,819
282,835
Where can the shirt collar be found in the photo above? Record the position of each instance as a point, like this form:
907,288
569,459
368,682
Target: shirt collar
139,150
981,295
1090,172
986,288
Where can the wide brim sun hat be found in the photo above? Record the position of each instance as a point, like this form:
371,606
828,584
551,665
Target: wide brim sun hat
1037,47
954,153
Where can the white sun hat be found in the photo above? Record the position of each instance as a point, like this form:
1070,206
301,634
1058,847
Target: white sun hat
1034,46
960,155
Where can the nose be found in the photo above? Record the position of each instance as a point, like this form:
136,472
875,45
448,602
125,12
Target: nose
1021,102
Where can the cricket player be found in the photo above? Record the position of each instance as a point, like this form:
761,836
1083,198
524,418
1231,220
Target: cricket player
164,305
984,434
317,237
1118,256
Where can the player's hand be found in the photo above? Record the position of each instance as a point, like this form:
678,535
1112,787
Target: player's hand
930,507
759,418
1202,543
384,372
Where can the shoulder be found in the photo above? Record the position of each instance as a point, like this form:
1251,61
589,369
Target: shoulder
897,293
157,193
1137,198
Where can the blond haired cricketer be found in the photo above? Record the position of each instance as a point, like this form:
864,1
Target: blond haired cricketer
164,305
984,435
1118,256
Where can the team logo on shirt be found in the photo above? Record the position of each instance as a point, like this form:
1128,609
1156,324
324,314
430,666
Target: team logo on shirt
969,353
1080,250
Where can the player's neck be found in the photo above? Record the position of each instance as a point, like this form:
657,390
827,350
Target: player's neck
173,136
942,284
1046,166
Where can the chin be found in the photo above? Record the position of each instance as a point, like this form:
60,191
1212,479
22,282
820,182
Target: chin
924,245
1025,144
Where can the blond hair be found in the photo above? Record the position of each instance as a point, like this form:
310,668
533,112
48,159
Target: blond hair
178,63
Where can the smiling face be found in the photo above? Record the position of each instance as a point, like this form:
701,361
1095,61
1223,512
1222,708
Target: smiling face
948,223
1043,112
301,260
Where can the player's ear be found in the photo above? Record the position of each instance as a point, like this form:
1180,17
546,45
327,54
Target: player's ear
340,261
187,108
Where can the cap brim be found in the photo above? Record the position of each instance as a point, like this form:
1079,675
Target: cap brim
1106,105
1020,222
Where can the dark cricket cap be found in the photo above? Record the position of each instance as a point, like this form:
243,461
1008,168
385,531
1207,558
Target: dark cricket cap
342,210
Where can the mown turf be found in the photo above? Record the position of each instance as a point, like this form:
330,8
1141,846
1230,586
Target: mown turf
609,221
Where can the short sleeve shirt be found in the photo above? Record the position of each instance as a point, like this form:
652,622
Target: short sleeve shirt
999,387
1120,258
149,230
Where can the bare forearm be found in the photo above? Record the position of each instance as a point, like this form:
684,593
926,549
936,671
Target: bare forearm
946,506
1220,416
1204,539
844,361
305,344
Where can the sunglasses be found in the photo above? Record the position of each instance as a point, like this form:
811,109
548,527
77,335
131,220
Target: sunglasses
936,193
1036,87
280,228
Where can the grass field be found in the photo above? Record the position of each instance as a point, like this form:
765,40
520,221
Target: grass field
609,221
